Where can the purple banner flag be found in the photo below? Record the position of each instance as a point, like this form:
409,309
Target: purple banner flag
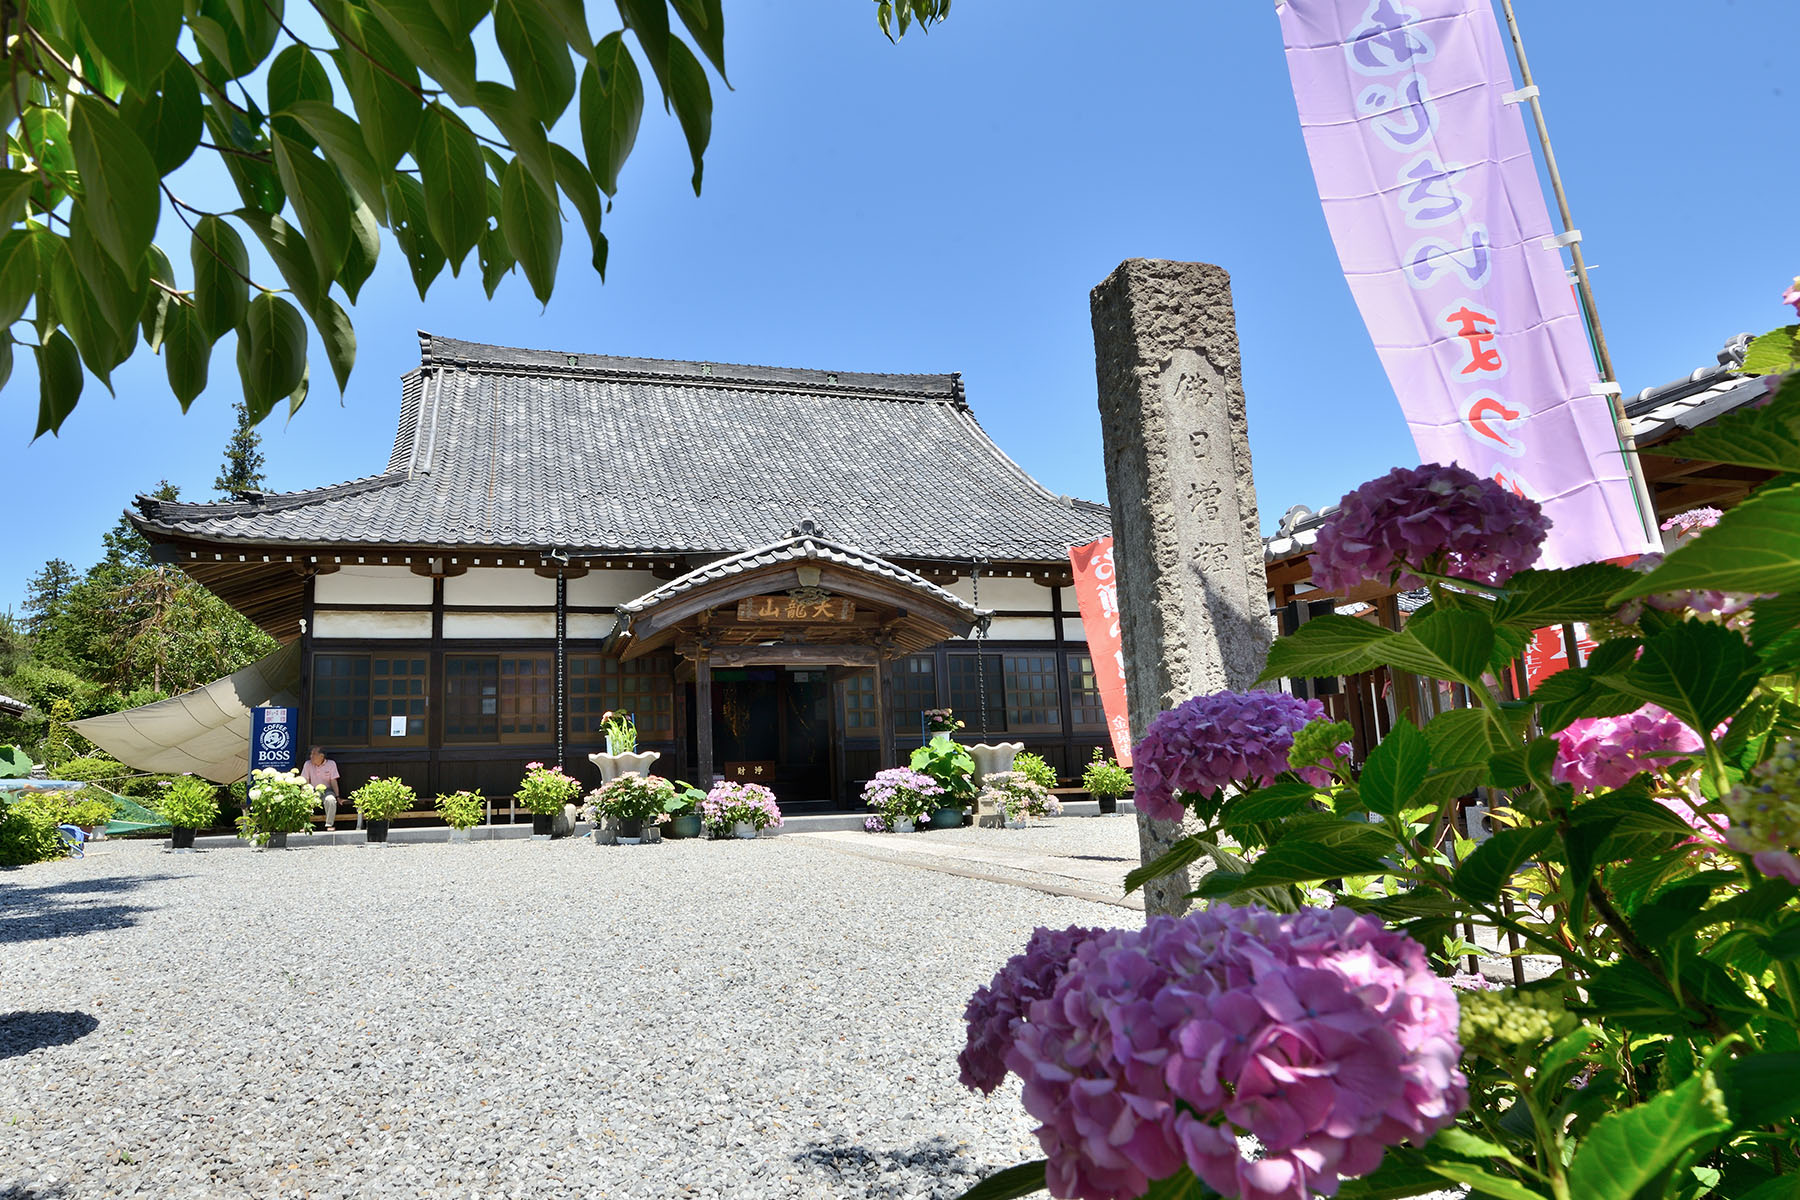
1434,204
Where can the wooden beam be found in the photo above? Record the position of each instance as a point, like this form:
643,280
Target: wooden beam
884,711
703,729
791,654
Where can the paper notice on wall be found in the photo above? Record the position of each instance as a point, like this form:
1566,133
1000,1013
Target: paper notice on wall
396,726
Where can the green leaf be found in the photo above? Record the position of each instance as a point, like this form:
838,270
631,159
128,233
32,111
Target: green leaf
119,294
705,21
296,76
461,17
1450,644
236,34
1759,1088
497,261
385,91
1276,802
1537,599
1483,1183
221,265
1496,860
1626,1150
693,103
1774,353
406,217
271,353
1755,548
1181,855
136,36
59,382
533,228
450,167
338,136
1700,671
1464,1144
538,56
1327,645
523,132
1399,1176
155,312
1010,1184
119,180
612,104
340,340
649,20
1395,769
1767,438
256,180
166,116
362,252
1321,852
19,250
288,248
449,58
187,351
320,202
584,194
1464,737
101,346
1629,810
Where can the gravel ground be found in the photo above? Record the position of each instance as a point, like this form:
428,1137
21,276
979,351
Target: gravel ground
522,1019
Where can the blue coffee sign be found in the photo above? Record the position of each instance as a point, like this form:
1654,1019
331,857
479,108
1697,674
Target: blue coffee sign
273,732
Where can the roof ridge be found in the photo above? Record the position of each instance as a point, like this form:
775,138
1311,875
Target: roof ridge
438,351
267,502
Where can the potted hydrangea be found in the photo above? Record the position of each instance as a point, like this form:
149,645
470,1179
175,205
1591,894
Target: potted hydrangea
90,808
280,803
189,803
684,811
545,791
739,809
903,797
461,811
1019,797
380,801
633,800
1105,780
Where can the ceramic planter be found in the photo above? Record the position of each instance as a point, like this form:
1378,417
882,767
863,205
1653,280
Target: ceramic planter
378,831
743,829
612,766
181,839
947,818
684,825
631,831
278,841
994,759
903,825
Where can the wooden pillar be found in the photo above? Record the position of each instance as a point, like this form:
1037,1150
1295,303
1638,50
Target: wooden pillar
434,689
703,729
303,728
1407,696
562,670
884,709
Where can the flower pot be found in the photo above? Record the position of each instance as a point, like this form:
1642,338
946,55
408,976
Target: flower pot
742,829
993,758
1108,805
684,825
631,830
947,818
540,825
902,825
614,765
181,839
278,841
459,836
1016,822
377,830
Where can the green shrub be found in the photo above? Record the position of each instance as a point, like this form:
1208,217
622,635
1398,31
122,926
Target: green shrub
949,764
92,769
461,810
1105,777
383,799
280,802
1035,768
144,787
87,807
545,790
634,798
190,803
28,831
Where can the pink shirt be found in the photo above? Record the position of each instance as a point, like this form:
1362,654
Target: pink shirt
324,774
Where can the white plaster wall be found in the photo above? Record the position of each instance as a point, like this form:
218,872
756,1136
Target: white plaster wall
1073,630
500,585
603,587
499,625
590,625
1020,629
1025,595
372,585
372,624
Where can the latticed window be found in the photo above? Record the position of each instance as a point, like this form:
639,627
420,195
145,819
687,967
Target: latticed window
1033,700
357,698
398,686
340,699
644,687
527,698
915,690
471,698
965,692
1084,694
860,703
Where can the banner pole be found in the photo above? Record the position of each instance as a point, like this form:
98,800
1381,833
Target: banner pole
1584,289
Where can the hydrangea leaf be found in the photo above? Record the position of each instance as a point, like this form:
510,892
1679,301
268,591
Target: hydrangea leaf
1754,549
1697,670
1395,769
1627,1150
1535,599
1759,1088
1774,353
1327,645
1327,851
1486,871
1450,644
1485,1183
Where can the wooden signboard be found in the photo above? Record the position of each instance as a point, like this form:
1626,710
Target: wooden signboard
824,610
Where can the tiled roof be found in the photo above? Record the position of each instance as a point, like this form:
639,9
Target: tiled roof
502,448
803,547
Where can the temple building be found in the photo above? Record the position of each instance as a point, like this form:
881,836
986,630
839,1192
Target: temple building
776,571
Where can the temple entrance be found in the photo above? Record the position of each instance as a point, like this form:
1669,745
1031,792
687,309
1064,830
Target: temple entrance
772,725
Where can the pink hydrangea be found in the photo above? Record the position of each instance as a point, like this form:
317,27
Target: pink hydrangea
1792,295
1322,1035
1205,743
1688,524
1596,753
1434,517
997,1007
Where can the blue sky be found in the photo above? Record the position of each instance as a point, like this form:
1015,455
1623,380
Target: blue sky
947,203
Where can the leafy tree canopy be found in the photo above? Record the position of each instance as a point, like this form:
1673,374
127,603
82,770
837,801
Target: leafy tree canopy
387,124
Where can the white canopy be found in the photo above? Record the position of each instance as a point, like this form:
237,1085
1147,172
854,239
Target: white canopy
205,732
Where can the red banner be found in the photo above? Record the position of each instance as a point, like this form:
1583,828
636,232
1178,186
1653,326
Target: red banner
1097,592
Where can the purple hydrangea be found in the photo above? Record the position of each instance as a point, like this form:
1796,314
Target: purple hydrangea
998,1006
1207,742
1322,1035
1435,517
902,792
1596,753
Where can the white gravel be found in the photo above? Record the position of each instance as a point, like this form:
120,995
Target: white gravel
697,1019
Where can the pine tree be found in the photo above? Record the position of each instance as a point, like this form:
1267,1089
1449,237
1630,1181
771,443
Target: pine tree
45,594
123,548
242,470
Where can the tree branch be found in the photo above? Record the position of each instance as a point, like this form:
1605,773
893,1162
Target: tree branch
345,39
47,48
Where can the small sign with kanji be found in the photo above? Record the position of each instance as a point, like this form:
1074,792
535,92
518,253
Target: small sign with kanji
832,609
